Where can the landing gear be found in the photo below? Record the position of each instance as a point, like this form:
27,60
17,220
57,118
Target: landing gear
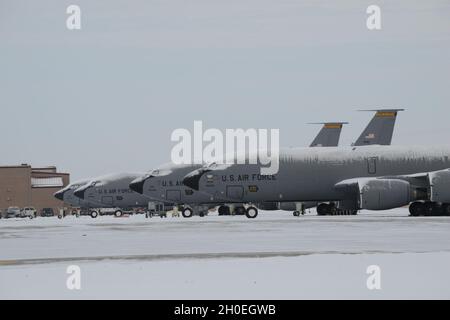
187,212
94,214
240,211
432,209
429,209
224,211
324,209
445,209
251,212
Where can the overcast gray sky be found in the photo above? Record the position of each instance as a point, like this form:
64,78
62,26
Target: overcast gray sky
107,97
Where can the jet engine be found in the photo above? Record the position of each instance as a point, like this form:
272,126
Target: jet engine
440,186
384,194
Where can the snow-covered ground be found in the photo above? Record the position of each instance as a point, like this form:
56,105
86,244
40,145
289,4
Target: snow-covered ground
274,256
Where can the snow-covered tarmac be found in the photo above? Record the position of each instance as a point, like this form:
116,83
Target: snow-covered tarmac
272,257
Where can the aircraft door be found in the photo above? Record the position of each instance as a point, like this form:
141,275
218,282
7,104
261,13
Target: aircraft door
235,192
372,165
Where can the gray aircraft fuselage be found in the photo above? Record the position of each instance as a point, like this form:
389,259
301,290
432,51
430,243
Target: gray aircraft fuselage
166,184
113,191
310,174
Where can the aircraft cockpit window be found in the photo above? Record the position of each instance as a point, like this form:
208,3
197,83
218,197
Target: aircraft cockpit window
212,165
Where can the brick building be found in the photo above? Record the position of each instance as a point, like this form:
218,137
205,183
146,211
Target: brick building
24,186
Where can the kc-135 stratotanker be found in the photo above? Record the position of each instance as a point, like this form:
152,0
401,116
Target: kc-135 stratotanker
353,178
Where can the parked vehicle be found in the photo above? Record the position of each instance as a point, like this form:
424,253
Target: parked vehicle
12,212
156,208
47,212
28,212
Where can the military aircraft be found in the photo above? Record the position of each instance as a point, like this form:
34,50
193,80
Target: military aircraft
67,195
165,184
365,177
112,191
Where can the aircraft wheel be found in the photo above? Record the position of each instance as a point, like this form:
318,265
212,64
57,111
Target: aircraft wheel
240,211
224,211
445,211
187,212
437,210
94,214
118,213
417,209
322,209
296,213
251,212
430,209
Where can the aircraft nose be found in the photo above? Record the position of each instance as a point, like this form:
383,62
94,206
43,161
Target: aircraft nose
80,192
192,180
137,185
60,195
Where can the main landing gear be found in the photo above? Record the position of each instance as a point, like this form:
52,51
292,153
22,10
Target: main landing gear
429,209
250,212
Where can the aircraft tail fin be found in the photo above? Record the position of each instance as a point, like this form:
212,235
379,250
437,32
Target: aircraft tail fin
329,134
380,129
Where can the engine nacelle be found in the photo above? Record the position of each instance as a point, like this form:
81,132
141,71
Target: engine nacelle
383,194
440,186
